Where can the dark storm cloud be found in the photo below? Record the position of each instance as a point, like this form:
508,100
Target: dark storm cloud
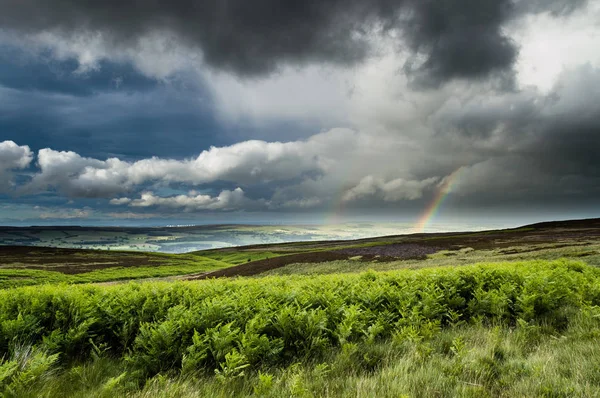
531,146
461,38
454,38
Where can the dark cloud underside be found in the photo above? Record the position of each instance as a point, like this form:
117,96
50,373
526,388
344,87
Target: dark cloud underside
120,126
456,38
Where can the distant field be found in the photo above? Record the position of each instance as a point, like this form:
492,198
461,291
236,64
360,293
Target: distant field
21,266
576,239
187,239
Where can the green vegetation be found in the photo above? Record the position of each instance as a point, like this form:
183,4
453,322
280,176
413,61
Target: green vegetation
237,256
15,278
465,361
25,266
15,275
510,329
586,250
396,316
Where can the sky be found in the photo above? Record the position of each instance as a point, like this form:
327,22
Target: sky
204,111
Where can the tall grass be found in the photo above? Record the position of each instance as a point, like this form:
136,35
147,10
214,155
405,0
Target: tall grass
230,329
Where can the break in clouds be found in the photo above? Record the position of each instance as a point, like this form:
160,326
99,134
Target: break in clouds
367,104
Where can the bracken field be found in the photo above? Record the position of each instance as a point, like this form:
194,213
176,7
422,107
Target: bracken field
511,313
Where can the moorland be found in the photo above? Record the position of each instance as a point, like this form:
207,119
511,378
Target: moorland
513,313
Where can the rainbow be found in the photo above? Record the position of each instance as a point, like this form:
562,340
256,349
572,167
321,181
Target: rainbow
444,188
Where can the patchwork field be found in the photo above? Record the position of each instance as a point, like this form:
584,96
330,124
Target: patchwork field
505,313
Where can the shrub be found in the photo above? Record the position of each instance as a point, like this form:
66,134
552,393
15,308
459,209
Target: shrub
227,325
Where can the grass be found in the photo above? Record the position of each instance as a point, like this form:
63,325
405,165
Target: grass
488,315
30,266
239,256
465,361
35,266
508,329
587,251
15,277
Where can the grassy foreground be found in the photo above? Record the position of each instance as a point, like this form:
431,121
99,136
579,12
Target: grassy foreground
509,329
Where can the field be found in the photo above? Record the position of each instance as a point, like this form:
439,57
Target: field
186,238
22,266
508,313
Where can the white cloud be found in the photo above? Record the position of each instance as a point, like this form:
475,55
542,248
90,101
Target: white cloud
226,200
549,45
245,162
12,157
76,176
120,201
305,173
390,191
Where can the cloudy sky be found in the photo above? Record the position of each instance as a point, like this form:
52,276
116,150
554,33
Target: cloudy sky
214,111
